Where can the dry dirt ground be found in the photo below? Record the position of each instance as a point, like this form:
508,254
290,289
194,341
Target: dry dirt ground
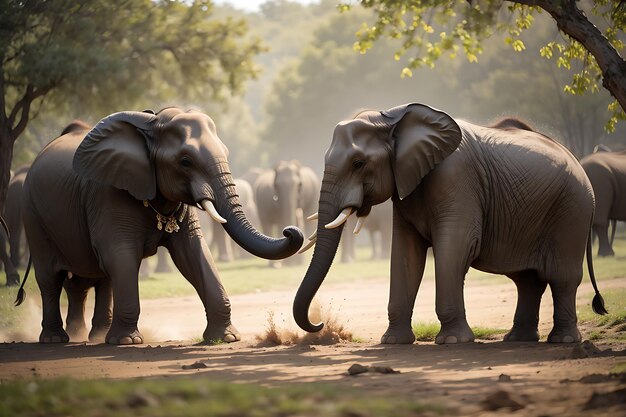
535,379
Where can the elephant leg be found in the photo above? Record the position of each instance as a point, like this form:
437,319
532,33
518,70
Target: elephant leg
76,289
454,249
529,292
13,277
50,284
268,230
103,310
564,329
193,259
123,271
408,258
602,231
163,265
375,251
385,242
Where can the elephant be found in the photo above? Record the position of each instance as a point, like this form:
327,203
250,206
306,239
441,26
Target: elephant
284,195
219,240
379,223
607,172
502,200
13,216
97,202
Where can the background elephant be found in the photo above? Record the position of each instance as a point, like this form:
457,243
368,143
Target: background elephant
12,255
284,195
607,173
502,200
379,224
98,201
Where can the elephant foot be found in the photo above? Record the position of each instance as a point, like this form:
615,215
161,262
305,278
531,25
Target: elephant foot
53,336
77,333
606,253
121,337
13,280
564,335
98,334
221,333
520,334
398,335
456,332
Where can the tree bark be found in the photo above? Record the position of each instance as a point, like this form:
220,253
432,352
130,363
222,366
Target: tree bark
573,22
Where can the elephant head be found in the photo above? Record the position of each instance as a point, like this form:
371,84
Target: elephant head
371,158
287,191
177,156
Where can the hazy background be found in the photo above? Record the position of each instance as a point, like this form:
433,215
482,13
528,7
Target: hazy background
311,78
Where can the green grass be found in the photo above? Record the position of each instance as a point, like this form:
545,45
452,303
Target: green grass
194,397
426,332
612,325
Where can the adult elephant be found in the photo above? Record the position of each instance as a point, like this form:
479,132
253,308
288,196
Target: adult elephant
13,215
607,173
379,224
502,200
284,195
95,203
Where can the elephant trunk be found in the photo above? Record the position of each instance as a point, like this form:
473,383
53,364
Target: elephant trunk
240,229
323,255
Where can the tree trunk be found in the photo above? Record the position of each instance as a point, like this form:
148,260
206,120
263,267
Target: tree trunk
6,156
573,22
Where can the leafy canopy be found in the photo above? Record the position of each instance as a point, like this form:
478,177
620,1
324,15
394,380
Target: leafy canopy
430,29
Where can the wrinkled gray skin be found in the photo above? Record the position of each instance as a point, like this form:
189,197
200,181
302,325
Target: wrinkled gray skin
83,213
217,239
284,195
502,200
379,227
607,173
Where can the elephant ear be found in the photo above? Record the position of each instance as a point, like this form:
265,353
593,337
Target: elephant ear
422,138
115,152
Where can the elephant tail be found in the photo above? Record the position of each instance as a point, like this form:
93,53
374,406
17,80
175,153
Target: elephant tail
5,227
598,302
21,294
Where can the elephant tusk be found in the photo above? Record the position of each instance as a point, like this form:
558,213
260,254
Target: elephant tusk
208,206
313,216
341,218
313,236
360,221
308,246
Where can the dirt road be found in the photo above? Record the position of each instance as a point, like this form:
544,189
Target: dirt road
540,378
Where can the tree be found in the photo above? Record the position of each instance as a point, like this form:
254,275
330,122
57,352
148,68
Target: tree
87,54
465,24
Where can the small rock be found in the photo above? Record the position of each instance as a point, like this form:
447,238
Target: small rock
504,378
357,369
383,370
195,365
501,399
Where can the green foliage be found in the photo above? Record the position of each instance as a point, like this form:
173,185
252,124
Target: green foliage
91,58
430,29
194,397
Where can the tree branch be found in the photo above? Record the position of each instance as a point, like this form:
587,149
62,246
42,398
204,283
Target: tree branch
573,22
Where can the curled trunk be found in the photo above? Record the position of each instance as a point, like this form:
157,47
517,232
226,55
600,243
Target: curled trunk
242,232
323,255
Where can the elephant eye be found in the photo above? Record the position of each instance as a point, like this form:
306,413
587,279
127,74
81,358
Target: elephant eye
358,164
186,162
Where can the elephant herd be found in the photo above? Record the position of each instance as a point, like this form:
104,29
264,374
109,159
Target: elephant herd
503,199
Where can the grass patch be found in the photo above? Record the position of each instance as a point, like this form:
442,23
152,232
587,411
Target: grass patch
620,368
333,332
426,332
612,325
194,397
